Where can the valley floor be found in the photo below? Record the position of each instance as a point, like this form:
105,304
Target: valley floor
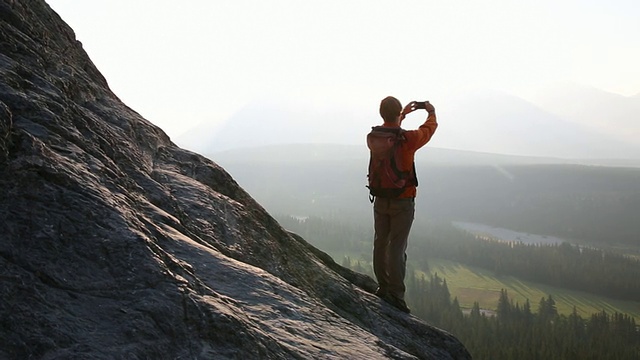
470,284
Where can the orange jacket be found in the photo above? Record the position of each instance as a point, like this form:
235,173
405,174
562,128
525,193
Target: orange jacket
415,139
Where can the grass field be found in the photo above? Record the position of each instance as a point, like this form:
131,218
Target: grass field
470,284
474,284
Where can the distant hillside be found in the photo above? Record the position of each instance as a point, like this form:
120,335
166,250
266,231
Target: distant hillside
607,113
271,122
500,123
544,196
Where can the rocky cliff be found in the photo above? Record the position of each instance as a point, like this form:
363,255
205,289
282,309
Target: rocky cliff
115,243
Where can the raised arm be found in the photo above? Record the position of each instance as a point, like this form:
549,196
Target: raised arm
418,138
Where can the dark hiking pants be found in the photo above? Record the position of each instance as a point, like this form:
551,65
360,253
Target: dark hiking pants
392,223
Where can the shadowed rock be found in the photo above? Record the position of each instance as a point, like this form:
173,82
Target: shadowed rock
115,243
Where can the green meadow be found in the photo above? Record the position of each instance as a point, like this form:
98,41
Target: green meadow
471,284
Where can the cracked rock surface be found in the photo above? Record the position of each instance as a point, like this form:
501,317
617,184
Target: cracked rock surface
116,243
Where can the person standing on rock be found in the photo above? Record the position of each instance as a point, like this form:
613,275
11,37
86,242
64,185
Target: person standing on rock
392,185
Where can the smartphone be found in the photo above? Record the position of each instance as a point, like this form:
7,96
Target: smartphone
419,105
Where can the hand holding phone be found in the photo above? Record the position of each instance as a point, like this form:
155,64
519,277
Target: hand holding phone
418,105
415,105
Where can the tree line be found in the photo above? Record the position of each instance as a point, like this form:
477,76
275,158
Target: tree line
331,234
513,331
597,271
516,331
568,266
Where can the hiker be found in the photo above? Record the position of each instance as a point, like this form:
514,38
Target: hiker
393,209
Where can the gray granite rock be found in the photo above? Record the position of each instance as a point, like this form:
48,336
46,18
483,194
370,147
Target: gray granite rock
117,244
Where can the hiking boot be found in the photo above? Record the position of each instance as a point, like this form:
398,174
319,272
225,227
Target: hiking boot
398,303
381,293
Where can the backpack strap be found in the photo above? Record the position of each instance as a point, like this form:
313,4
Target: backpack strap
393,130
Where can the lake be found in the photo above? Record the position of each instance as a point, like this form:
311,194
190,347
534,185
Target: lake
506,234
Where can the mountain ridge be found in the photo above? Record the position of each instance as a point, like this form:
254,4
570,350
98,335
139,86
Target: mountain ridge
491,122
116,243
605,112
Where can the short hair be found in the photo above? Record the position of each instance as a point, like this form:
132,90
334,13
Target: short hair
390,108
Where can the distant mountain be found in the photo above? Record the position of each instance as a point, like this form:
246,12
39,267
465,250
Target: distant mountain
605,112
489,122
270,122
499,123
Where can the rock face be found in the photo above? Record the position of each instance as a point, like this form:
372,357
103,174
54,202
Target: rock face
115,243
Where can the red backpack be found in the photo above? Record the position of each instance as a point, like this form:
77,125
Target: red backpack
385,179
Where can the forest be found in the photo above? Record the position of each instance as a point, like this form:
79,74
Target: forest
602,272
597,271
518,331
513,330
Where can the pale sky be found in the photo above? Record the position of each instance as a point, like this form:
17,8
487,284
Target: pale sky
180,63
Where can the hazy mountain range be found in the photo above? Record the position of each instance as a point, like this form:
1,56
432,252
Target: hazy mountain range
569,123
604,112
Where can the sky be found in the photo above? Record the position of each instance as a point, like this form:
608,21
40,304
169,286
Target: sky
182,63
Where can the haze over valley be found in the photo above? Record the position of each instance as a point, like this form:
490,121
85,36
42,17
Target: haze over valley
543,196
